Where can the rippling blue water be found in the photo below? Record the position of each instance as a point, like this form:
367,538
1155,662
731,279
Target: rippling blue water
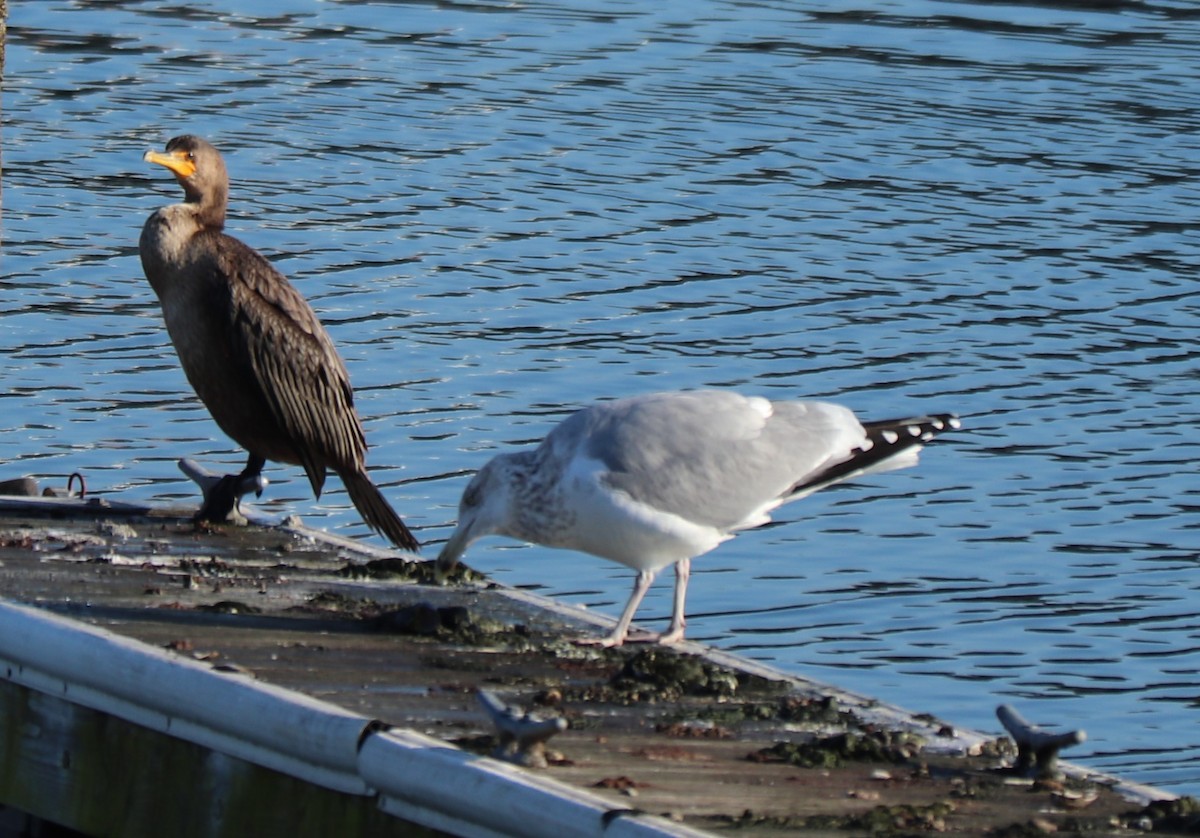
504,210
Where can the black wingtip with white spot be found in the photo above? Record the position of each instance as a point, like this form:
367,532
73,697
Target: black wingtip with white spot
898,434
886,439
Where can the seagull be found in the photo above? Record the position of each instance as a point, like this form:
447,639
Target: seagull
662,478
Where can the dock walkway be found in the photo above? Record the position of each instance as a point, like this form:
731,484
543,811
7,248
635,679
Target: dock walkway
274,680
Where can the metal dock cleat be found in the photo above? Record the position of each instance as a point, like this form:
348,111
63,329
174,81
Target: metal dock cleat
211,483
523,736
1037,749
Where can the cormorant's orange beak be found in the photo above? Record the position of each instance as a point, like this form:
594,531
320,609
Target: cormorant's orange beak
179,162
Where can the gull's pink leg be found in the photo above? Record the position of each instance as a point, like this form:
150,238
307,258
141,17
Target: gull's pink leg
683,569
640,585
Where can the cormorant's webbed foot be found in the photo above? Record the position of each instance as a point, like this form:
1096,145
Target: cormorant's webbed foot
222,494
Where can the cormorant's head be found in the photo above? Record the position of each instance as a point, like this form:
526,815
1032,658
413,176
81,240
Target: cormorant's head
197,166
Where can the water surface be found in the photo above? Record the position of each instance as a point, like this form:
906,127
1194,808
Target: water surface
505,210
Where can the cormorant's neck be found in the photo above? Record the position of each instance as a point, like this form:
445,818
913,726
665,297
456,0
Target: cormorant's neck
208,208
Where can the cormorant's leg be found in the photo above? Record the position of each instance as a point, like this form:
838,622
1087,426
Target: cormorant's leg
250,474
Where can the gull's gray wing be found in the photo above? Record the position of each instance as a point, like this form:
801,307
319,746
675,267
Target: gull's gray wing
712,457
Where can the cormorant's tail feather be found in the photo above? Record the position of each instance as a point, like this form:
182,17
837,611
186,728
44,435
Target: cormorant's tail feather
377,512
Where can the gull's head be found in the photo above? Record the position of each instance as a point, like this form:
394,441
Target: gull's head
485,509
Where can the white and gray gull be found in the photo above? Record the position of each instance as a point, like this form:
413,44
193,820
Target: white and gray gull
251,346
659,479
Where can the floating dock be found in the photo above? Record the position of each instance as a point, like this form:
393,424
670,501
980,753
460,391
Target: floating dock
274,680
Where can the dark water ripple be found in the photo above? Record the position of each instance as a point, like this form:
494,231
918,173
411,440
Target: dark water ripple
505,210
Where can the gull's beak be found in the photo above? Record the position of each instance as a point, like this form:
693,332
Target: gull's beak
178,162
452,551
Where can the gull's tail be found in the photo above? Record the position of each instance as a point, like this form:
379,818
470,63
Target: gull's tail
891,444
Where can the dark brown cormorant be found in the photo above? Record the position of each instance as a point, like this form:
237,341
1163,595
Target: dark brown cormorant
251,346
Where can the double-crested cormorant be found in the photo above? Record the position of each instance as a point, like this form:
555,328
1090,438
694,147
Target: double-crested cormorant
250,344
659,479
